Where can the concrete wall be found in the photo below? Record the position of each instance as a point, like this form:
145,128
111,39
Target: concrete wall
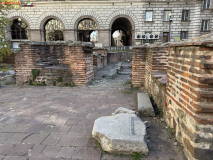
106,12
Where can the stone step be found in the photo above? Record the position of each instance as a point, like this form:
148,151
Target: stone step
127,66
145,108
125,73
113,72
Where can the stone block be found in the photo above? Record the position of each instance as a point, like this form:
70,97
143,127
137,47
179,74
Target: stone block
121,134
145,107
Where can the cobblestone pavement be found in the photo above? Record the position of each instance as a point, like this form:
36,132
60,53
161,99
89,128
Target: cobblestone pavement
48,123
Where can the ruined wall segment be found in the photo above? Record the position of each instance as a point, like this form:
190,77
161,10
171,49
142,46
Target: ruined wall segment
138,66
156,60
190,95
74,58
103,53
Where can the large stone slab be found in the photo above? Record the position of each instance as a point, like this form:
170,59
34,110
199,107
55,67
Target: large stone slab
145,107
121,134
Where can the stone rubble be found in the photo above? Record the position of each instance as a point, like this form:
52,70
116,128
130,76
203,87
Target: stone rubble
123,133
123,110
7,77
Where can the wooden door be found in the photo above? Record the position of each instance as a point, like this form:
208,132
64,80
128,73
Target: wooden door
165,37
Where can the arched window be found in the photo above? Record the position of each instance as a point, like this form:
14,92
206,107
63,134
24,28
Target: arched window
53,30
87,31
19,29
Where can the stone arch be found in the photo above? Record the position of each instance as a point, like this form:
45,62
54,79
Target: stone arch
14,15
86,14
122,13
45,16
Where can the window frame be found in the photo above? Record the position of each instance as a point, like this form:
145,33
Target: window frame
168,15
206,4
181,35
145,16
184,18
203,25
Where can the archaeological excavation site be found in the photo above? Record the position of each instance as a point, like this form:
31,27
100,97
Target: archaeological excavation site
106,80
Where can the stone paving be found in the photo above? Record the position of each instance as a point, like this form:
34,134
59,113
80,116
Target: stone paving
49,123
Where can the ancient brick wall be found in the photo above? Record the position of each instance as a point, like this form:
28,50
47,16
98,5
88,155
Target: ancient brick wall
157,90
138,66
33,55
190,96
103,52
97,60
112,57
124,56
50,76
156,60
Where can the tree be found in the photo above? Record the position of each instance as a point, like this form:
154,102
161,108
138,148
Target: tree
4,8
113,42
123,38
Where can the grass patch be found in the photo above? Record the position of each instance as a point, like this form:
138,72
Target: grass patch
134,88
137,155
99,146
6,66
127,92
170,132
128,82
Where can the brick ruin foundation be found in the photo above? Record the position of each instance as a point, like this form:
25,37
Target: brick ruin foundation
73,61
179,78
103,53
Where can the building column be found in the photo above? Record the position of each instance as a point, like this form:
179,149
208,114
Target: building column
35,35
69,34
104,37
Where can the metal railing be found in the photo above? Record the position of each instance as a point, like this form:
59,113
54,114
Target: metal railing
118,48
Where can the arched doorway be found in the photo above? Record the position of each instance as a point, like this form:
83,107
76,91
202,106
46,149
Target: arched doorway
53,30
87,31
119,38
125,26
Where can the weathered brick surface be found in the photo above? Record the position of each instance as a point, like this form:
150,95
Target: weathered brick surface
79,60
103,53
98,60
190,97
138,66
157,89
156,60
112,57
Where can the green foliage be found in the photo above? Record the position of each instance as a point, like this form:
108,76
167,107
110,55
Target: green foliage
113,42
4,21
30,82
99,146
171,159
35,73
170,132
43,83
54,83
60,79
39,84
123,38
128,82
128,92
137,155
134,88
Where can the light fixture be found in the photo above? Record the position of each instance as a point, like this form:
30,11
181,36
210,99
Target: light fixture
19,21
170,14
